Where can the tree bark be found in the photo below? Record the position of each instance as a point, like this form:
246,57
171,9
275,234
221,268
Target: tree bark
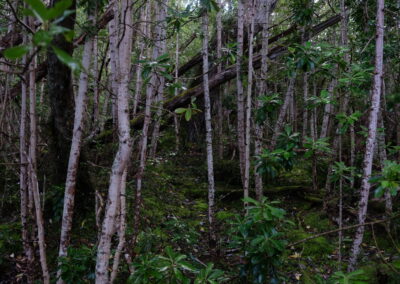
70,184
239,88
207,118
282,112
372,128
262,90
122,156
246,183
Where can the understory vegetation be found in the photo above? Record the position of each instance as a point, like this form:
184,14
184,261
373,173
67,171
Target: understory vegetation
199,142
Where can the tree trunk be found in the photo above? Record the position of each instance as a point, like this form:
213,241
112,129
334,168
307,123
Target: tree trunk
372,128
70,184
282,112
262,90
220,90
161,79
122,156
207,118
61,97
121,229
239,87
23,179
246,183
32,170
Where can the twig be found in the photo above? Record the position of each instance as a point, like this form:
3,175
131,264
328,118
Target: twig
380,254
342,229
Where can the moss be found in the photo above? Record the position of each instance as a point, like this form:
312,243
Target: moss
315,247
317,220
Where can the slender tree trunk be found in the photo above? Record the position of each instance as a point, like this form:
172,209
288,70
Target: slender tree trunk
246,183
207,118
305,103
23,180
262,89
176,79
121,229
239,87
372,129
220,90
327,112
144,30
382,158
160,91
33,182
122,156
114,38
282,112
150,92
70,184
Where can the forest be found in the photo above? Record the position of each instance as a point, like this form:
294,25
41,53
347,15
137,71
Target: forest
199,141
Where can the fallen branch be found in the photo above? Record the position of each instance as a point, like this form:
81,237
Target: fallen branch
342,229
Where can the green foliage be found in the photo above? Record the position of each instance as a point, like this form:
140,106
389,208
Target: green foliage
388,180
10,241
181,233
323,99
270,163
340,170
190,110
257,237
160,66
347,120
79,265
170,268
316,146
347,278
50,18
209,275
268,103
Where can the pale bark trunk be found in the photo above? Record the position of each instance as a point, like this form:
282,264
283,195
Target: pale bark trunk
305,102
382,158
70,184
122,157
121,229
207,118
176,121
239,87
96,81
160,91
33,182
262,89
220,91
372,128
282,112
144,30
246,183
23,181
150,90
327,112
114,39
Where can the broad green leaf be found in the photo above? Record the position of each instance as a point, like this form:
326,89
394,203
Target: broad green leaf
66,59
38,9
58,9
180,110
42,38
188,114
16,52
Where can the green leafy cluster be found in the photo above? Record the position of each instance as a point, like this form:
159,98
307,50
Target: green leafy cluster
172,268
50,18
388,180
79,265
